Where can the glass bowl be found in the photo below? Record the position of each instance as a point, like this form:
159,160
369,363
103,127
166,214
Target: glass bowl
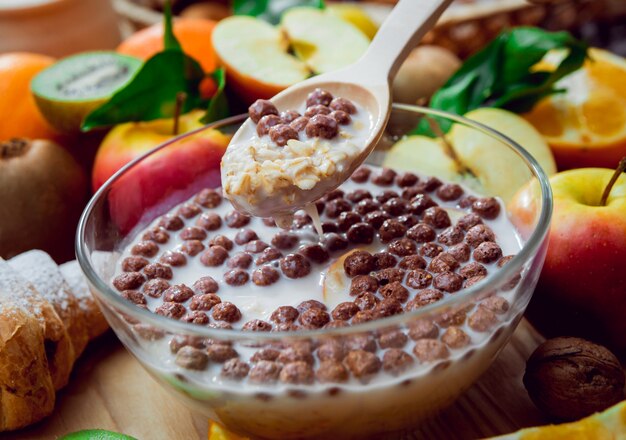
155,183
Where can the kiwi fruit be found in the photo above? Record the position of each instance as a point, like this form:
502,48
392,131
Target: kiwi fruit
70,89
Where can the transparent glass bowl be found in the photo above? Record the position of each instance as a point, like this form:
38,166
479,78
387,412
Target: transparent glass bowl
153,184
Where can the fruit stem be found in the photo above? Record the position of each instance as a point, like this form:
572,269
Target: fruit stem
13,148
618,171
180,100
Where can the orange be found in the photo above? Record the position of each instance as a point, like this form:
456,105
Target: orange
18,112
194,35
586,125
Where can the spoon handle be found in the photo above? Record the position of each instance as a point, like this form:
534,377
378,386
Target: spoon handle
405,26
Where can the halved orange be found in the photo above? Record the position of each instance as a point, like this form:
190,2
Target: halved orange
586,125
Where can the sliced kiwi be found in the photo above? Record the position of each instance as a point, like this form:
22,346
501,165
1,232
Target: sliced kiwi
70,89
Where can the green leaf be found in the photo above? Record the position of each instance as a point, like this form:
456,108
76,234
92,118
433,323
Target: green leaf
271,10
96,434
170,42
501,75
151,94
218,105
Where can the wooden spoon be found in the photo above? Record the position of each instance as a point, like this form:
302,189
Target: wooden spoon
366,82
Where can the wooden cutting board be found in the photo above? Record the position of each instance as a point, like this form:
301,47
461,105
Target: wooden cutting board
110,390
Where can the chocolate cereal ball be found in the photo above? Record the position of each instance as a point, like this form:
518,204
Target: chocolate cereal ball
209,198
343,104
330,371
316,110
295,266
322,126
214,256
226,311
361,233
396,361
297,373
299,124
487,207
265,275
359,263
236,277
260,108
319,97
280,134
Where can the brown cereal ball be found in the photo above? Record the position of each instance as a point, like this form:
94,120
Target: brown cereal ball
409,220
389,275
198,318
421,233
204,301
179,341
451,236
386,196
128,281
389,306
319,97
284,314
189,210
284,240
289,116
473,280
437,217
264,276
178,293
209,221
173,258
226,311
496,304
361,174
410,192
235,369
449,191
412,262
376,218
487,207
392,338
155,288
214,256
385,177
344,311
395,206
192,358
363,283
396,361
366,206
192,233
145,249
282,133
315,252
209,198
403,247
158,270
264,372
257,325
299,124
361,341
361,233
430,250
347,219
358,194
430,350
322,126
466,202
330,371
297,352
420,203
297,373
444,262
479,234
334,242
266,123
395,290
406,179
451,317
431,183
363,316
260,108
244,236
310,304
268,254
468,221
205,285
170,310
487,252
331,350
448,282
134,264
341,117
265,354
390,230
240,260
235,219
423,298
362,363
329,227
461,252
482,319
342,104
473,269
256,246
222,240
313,318
384,260
316,110
221,352
192,247
156,234
419,279
295,266
236,277
366,301
423,329
171,222
359,263
454,337
336,206
135,297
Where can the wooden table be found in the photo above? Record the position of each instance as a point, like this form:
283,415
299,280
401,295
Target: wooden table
110,390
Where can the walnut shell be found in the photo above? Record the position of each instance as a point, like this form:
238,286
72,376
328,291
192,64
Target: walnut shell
571,378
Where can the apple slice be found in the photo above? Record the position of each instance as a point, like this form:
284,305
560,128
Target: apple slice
255,55
322,40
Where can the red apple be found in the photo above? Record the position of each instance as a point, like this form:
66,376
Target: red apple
163,178
582,287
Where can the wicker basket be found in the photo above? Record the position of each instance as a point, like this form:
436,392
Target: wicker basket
464,28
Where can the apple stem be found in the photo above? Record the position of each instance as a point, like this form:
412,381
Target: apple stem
180,100
618,171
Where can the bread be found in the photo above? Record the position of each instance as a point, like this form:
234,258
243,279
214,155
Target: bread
47,316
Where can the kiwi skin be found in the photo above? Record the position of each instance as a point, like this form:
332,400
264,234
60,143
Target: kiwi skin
67,115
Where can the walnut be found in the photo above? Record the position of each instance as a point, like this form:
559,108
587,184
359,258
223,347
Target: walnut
571,378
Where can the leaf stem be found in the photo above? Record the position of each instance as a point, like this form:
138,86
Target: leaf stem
180,100
618,171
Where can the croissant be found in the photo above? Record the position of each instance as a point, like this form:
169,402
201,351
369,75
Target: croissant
47,317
